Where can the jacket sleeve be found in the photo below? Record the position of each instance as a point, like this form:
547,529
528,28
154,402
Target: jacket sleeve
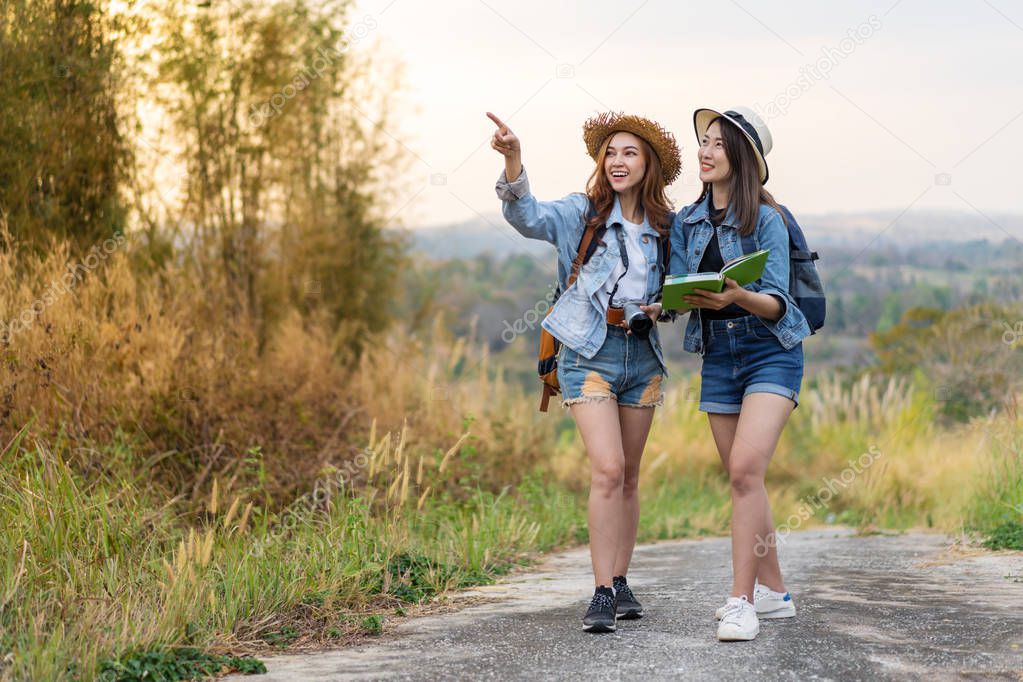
558,222
774,236
775,280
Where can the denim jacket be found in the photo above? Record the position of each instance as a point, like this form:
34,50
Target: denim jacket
578,319
691,232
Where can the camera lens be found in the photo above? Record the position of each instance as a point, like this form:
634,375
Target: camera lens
638,321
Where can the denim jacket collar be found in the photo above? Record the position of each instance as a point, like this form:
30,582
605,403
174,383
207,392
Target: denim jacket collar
701,211
617,217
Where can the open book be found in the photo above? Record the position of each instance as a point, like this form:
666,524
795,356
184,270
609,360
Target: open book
744,269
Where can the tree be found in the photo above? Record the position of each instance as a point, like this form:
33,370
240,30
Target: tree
286,175
962,355
63,155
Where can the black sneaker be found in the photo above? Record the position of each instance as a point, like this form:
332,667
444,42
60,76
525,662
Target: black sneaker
600,617
628,606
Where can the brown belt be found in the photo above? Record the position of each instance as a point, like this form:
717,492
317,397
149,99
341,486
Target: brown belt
615,316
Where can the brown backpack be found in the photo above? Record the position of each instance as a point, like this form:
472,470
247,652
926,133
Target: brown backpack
547,367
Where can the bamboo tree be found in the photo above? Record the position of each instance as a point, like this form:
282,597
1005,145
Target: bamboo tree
63,155
285,180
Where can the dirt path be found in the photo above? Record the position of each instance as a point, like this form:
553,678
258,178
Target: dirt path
876,607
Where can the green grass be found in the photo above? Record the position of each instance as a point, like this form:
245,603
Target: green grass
1008,535
105,577
172,664
998,508
683,508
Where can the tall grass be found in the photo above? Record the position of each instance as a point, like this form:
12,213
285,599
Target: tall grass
101,563
93,571
169,480
866,453
997,501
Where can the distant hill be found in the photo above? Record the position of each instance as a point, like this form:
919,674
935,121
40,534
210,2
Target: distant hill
880,229
475,238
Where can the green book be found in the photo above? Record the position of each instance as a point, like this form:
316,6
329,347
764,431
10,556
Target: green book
744,270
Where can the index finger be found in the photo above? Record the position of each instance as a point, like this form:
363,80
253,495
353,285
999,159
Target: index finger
496,120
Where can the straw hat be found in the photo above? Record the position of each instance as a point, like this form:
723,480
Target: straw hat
602,126
751,125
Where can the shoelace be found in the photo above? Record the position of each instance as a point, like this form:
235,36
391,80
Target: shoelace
625,593
733,609
602,601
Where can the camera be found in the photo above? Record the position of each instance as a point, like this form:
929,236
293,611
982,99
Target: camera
639,323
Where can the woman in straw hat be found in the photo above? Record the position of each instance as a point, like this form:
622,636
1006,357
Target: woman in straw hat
750,339
610,367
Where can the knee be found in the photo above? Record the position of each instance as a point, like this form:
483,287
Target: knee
745,479
630,483
607,477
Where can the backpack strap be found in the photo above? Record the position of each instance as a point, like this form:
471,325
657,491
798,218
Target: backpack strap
665,245
584,246
545,398
664,255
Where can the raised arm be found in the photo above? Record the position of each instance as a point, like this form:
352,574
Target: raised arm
507,143
558,222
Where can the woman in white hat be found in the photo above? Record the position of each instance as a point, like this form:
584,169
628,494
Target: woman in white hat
750,339
610,367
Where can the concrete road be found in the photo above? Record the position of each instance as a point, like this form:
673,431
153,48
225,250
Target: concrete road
869,608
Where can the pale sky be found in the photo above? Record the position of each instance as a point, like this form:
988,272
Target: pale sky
923,109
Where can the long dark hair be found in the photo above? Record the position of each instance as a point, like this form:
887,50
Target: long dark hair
745,191
656,206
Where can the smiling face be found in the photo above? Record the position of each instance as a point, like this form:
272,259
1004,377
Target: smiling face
714,166
624,162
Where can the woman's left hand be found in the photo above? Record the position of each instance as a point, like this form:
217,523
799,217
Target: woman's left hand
732,293
653,311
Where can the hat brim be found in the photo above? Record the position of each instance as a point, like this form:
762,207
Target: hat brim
597,129
702,118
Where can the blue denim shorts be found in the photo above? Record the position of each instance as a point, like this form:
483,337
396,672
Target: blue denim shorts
743,356
625,369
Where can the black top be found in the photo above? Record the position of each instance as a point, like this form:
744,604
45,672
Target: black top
713,262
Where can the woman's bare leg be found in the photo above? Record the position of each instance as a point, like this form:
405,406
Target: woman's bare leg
760,423
635,424
723,427
601,431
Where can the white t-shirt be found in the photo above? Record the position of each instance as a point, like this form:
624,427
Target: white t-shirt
632,286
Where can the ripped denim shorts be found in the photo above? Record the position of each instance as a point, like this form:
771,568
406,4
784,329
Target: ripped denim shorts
625,369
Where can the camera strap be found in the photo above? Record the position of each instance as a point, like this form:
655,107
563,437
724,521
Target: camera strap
624,252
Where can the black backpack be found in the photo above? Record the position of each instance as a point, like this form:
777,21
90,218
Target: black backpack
805,286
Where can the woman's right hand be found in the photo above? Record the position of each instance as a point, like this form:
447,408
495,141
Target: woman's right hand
504,140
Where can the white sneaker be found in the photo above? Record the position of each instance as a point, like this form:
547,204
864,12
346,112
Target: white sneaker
739,621
771,604
768,603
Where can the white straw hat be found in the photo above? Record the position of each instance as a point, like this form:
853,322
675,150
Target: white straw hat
751,125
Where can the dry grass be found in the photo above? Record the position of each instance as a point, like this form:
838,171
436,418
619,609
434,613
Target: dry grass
178,474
